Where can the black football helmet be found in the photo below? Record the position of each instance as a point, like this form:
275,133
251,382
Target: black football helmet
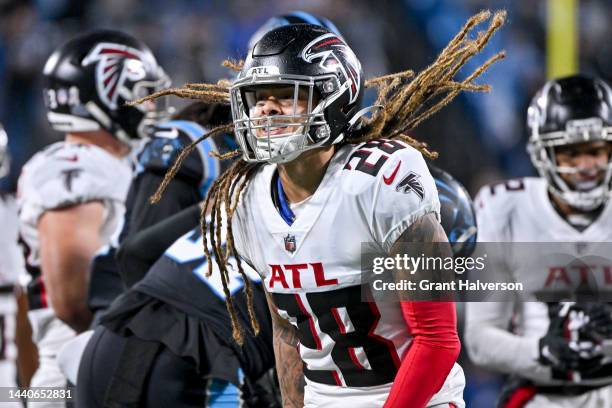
89,79
571,110
456,212
5,159
313,61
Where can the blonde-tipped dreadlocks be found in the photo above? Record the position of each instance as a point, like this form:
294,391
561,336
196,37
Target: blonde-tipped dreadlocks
406,100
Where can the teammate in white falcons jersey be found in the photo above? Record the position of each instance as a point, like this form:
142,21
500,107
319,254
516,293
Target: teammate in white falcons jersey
71,194
570,120
11,267
317,180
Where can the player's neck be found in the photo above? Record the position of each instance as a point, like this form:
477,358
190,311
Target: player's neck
102,139
567,211
301,177
563,208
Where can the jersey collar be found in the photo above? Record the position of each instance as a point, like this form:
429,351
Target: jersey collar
559,226
275,223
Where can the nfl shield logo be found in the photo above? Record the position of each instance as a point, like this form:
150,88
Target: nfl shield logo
290,243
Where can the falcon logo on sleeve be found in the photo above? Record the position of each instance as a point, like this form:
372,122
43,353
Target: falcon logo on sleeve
411,183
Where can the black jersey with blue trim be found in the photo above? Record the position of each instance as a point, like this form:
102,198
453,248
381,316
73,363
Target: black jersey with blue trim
169,138
188,188
190,184
178,278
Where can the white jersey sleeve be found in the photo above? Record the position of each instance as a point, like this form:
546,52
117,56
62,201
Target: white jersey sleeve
11,259
67,174
490,344
495,204
487,339
403,191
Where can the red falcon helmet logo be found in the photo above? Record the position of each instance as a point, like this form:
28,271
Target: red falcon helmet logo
111,72
327,48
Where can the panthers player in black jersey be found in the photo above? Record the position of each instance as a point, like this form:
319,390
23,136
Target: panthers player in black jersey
167,139
191,184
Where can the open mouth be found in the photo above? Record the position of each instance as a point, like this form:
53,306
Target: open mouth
589,174
273,131
276,129
587,180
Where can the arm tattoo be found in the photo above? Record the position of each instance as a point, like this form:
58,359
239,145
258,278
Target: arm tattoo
289,366
286,334
424,238
425,229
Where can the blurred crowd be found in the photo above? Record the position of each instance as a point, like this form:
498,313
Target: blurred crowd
479,137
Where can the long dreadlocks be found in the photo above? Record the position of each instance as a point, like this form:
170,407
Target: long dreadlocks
406,100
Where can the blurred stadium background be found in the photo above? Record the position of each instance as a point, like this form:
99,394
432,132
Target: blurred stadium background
480,138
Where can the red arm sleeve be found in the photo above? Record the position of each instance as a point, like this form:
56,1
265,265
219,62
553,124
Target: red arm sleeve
432,353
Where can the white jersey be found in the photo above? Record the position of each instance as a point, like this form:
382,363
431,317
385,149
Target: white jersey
521,211
11,259
11,267
370,194
66,174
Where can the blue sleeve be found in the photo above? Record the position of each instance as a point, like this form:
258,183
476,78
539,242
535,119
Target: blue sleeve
199,169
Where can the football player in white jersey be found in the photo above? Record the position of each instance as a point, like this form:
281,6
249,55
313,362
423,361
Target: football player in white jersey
570,123
11,267
71,194
304,216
